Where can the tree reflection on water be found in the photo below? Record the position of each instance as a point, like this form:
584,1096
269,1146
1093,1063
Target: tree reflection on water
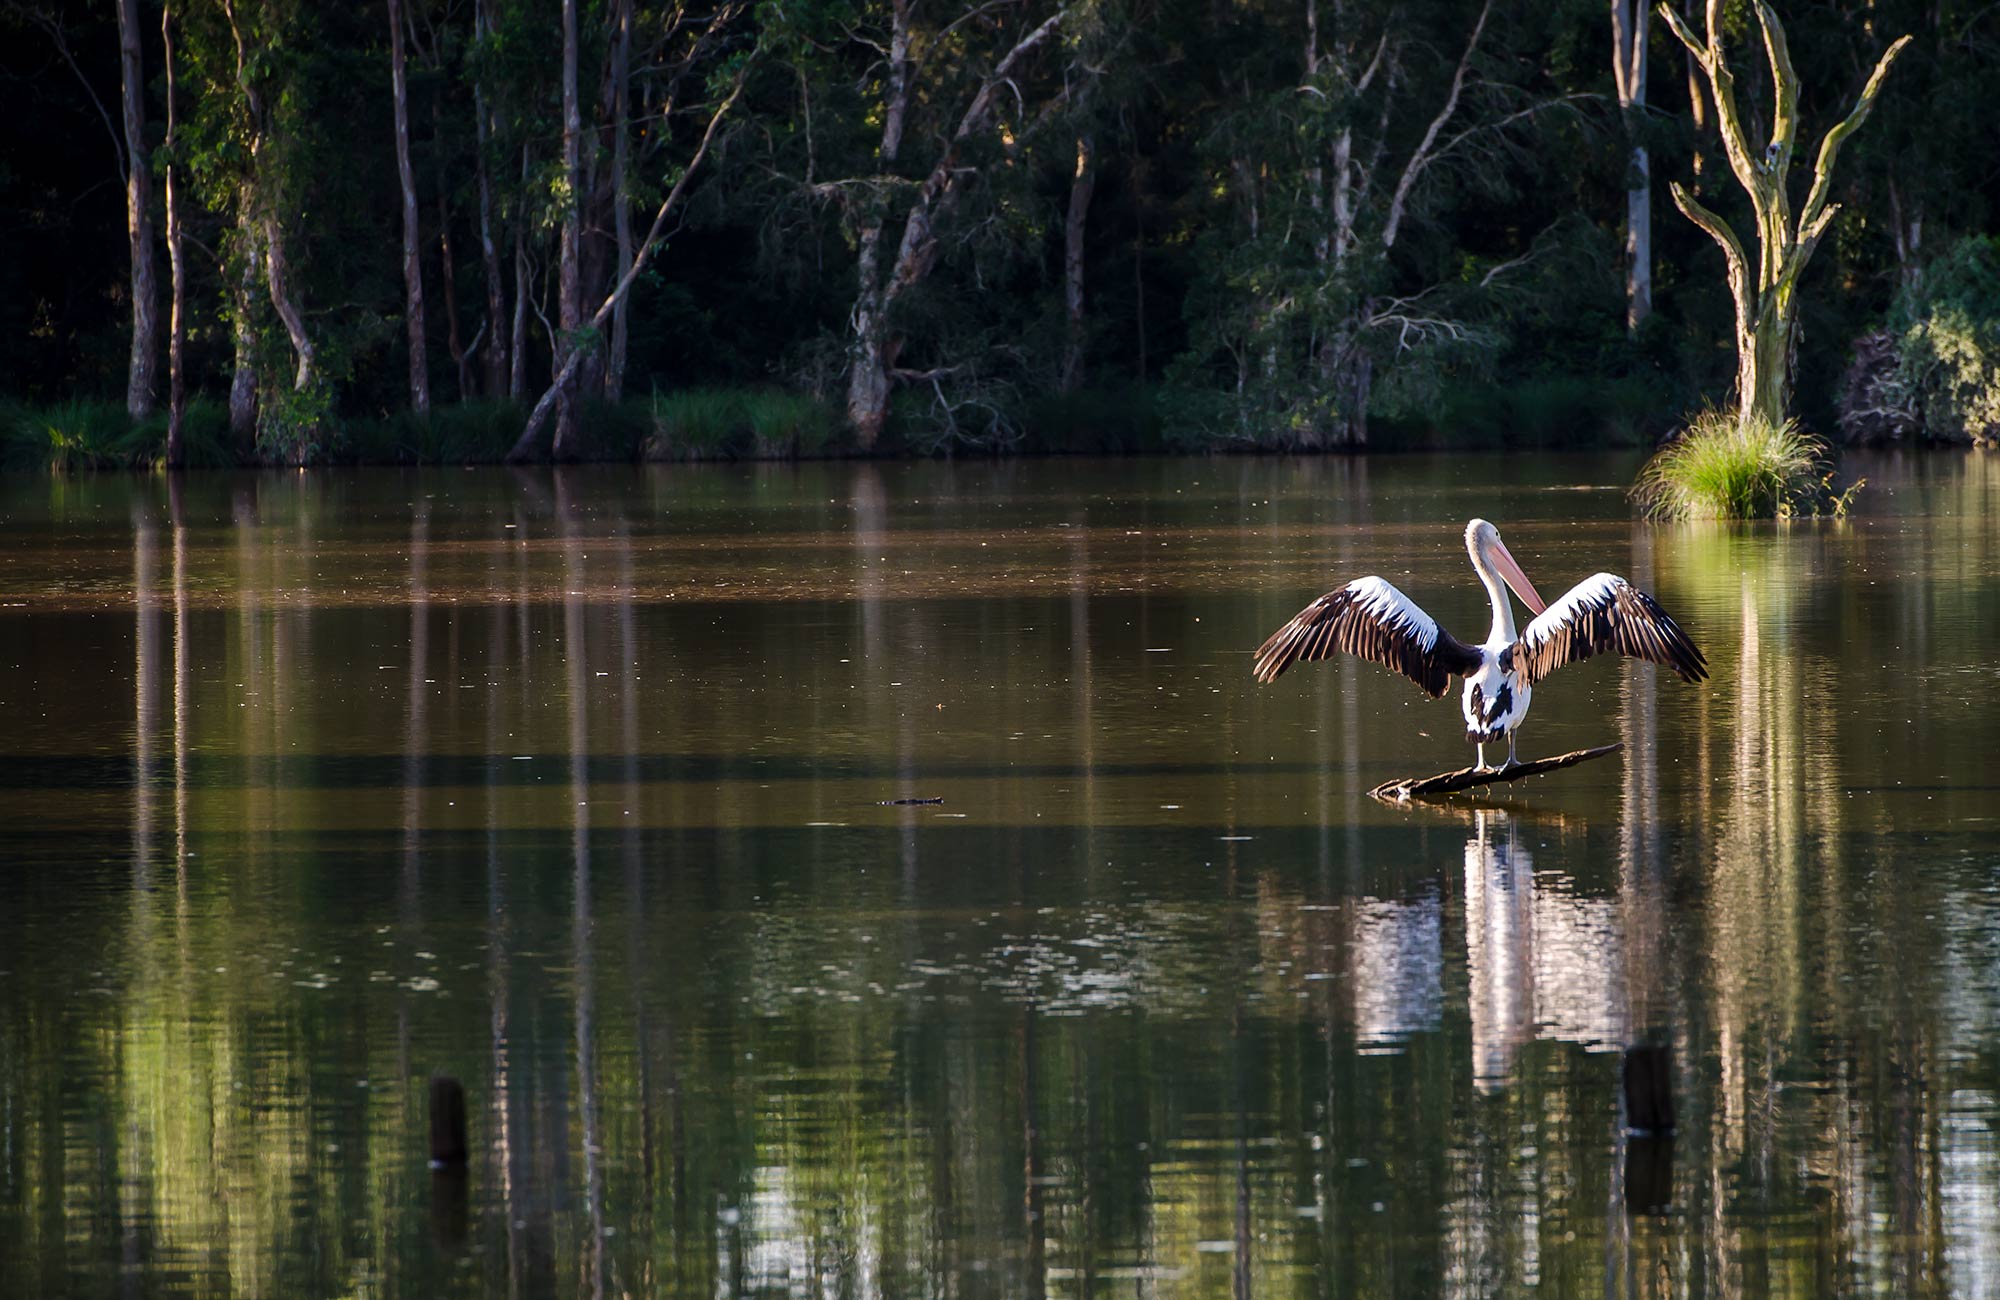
511,779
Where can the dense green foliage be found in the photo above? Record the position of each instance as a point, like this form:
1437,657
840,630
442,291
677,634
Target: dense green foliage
1280,223
1947,326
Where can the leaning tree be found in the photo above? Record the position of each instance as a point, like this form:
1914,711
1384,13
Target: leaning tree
1767,298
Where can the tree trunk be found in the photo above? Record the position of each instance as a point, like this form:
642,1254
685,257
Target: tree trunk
1628,65
566,374
138,218
517,356
276,272
1639,241
569,286
1907,227
176,264
868,379
489,251
448,279
1080,190
1763,368
936,198
621,206
413,276
258,211
243,375
1766,297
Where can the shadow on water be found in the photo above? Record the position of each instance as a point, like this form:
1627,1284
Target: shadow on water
569,786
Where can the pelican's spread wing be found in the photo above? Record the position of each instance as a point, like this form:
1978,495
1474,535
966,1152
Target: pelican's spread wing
1605,612
1371,620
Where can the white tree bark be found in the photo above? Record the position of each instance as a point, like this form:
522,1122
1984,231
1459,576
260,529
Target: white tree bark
1082,186
243,375
261,213
176,264
1628,66
1766,296
413,277
497,339
517,356
621,201
565,374
569,285
138,218
870,380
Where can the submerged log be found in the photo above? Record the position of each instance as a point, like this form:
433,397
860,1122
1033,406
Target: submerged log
1404,788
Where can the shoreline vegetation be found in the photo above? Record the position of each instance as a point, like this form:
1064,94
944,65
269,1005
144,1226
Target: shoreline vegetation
402,231
771,423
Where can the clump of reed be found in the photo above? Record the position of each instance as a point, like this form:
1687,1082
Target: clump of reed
1725,466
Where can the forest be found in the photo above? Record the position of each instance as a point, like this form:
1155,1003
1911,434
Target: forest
286,232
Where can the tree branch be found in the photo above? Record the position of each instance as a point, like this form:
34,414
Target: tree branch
1732,249
1423,155
524,446
1829,148
48,24
1784,92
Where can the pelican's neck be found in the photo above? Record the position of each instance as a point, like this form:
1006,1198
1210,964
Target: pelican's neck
1496,591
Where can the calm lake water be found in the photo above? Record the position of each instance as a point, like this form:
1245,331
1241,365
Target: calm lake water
571,785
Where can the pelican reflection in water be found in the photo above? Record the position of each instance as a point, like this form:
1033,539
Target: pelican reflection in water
1541,962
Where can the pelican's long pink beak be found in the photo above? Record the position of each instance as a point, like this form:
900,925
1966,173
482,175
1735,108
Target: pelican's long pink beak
1510,570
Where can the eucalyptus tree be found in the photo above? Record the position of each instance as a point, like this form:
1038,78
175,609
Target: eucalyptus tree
176,258
138,216
268,198
1382,116
715,55
1766,297
1628,68
413,278
949,96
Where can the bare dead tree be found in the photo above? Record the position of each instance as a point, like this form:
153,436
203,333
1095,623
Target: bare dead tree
1767,298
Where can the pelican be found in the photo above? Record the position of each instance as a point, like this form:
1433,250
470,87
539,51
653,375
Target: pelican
1370,619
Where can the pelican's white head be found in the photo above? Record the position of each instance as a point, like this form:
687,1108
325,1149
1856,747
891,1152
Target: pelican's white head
1490,555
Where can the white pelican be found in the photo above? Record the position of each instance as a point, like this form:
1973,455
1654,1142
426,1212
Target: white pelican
1372,620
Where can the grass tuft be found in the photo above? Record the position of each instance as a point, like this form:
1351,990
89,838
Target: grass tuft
1725,467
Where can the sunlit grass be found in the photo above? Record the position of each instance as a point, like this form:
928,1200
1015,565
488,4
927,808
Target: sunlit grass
1726,467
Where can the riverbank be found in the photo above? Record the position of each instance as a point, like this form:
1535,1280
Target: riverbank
768,423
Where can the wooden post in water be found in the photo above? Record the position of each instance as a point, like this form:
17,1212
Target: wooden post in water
1649,1122
448,1144
1649,1089
450,1200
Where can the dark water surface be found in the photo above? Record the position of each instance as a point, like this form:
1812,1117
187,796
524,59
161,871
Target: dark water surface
569,785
